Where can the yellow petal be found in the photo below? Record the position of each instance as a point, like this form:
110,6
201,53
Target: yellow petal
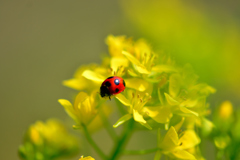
163,68
182,154
131,58
189,103
174,84
93,76
122,120
117,62
189,139
185,110
78,84
86,158
179,125
160,114
136,83
171,100
123,99
132,73
170,140
80,98
141,69
138,117
68,108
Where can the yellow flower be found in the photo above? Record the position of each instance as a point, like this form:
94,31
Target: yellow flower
176,147
84,108
86,158
225,110
185,96
116,44
135,108
47,141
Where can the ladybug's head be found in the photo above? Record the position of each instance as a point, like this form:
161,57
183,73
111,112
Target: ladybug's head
104,91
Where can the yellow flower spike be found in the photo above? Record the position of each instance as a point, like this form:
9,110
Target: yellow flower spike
86,158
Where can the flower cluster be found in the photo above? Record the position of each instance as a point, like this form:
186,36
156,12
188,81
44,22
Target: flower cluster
159,95
225,132
45,141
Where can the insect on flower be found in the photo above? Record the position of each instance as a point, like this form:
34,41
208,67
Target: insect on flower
111,86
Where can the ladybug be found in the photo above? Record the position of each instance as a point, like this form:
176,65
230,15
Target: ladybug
111,86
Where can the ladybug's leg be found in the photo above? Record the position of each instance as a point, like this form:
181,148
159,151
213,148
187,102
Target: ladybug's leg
110,98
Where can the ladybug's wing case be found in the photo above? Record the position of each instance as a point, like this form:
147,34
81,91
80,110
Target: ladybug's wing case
117,85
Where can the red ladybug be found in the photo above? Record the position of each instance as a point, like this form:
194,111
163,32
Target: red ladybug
111,86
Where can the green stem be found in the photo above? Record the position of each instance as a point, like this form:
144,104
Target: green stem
92,143
140,152
108,126
119,145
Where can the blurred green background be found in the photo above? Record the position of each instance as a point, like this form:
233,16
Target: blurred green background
43,42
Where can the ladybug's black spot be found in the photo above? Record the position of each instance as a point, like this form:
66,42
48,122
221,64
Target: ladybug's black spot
116,81
124,83
108,84
110,77
116,90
